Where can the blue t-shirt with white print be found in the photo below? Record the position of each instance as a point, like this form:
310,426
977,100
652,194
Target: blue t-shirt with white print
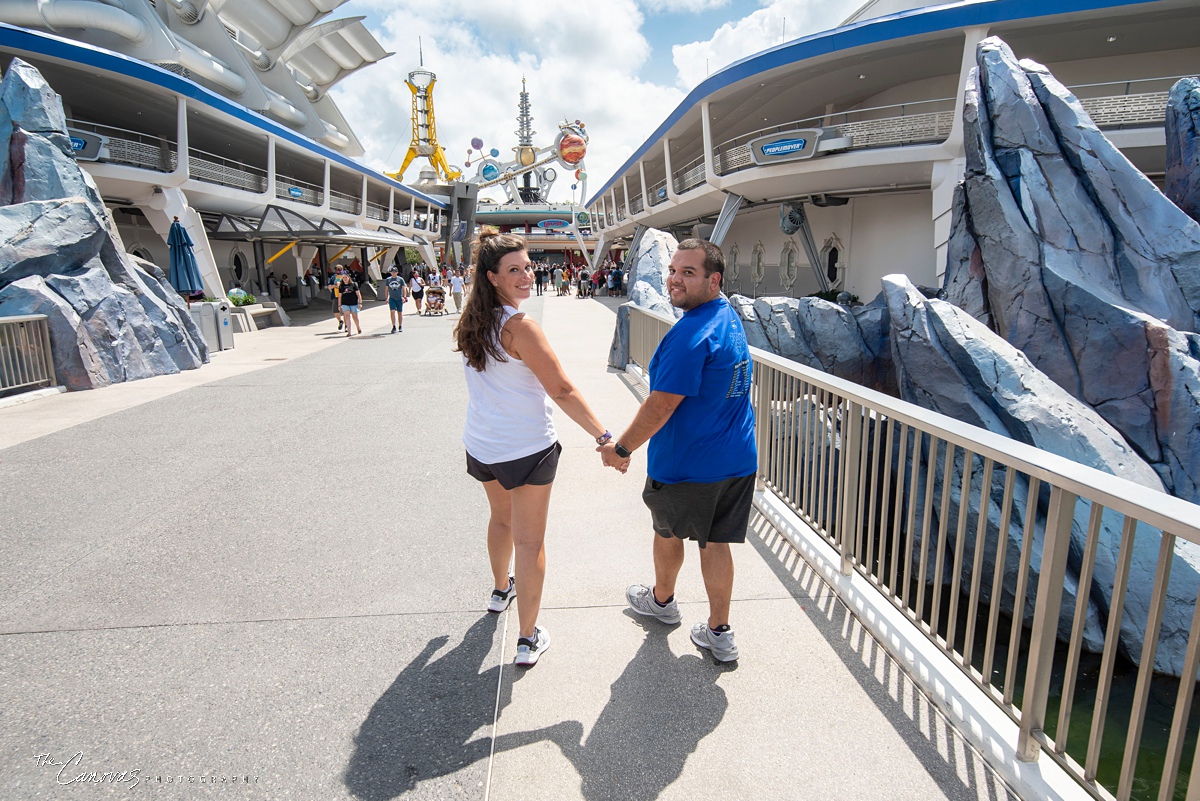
710,436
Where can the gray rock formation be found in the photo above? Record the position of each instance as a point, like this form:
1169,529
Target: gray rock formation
111,320
848,343
1077,259
1183,146
647,289
949,362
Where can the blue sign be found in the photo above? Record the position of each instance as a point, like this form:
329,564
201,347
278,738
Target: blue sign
295,191
85,145
554,224
662,193
784,146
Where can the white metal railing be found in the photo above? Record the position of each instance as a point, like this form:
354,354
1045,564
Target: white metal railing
689,176
400,217
377,211
342,201
26,362
636,206
134,148
915,122
214,169
290,188
657,192
897,489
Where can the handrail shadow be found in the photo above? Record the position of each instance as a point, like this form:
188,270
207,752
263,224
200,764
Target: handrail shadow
953,763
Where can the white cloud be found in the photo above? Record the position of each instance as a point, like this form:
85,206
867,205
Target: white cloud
676,6
755,32
578,65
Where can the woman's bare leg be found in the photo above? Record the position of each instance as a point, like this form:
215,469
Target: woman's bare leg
530,507
499,537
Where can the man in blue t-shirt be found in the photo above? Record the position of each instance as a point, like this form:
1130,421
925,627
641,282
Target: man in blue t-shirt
702,457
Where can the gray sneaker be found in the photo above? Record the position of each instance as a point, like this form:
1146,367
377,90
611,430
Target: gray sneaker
641,600
721,644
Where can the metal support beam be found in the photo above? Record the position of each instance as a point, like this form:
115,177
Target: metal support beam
729,210
810,247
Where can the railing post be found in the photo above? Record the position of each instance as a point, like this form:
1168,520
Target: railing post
1056,546
847,485
763,403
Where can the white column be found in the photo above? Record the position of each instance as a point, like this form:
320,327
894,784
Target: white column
710,164
182,155
645,190
949,170
625,187
667,162
269,191
325,205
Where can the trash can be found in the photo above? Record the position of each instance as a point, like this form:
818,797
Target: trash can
205,316
224,324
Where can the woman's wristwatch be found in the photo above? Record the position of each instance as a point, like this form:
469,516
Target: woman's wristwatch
603,438
622,451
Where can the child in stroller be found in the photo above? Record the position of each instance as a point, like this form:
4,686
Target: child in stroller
435,300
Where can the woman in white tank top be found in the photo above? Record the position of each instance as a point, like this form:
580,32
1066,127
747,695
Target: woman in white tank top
512,448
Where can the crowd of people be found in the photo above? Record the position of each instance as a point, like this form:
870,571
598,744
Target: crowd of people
567,279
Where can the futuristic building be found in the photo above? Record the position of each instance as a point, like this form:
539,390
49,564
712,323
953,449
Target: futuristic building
830,161
218,112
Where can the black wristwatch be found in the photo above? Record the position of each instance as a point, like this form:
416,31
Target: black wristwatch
622,451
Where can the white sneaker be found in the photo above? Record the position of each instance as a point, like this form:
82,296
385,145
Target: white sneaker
531,648
502,598
723,648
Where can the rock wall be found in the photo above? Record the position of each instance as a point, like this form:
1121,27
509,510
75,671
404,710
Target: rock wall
1077,259
1183,146
111,320
647,289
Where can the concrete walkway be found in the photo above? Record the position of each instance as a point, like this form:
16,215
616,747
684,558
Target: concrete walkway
268,583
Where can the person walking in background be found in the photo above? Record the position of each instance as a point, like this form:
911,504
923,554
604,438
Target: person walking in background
702,458
512,448
350,302
558,279
456,289
539,277
417,286
397,293
335,287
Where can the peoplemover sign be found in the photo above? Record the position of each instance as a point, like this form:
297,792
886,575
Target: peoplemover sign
785,146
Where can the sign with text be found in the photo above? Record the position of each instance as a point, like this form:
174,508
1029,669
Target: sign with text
786,146
85,144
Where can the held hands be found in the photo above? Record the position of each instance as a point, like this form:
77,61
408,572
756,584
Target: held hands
608,455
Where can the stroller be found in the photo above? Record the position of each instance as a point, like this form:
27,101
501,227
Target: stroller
435,300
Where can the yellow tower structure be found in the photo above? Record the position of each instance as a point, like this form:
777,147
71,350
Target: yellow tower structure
424,128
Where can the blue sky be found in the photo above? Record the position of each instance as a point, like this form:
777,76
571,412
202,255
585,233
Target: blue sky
621,66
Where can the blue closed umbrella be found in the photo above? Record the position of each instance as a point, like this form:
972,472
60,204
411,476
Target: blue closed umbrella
183,273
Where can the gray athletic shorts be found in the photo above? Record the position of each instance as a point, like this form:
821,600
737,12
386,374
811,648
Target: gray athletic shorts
716,512
537,469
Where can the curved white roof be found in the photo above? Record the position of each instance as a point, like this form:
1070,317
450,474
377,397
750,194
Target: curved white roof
328,52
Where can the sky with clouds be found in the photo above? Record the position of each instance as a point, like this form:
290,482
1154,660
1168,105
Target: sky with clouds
620,66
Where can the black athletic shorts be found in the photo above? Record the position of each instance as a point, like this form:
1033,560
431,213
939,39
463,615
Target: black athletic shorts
717,512
538,468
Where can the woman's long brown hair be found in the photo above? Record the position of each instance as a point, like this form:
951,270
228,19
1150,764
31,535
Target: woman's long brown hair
477,335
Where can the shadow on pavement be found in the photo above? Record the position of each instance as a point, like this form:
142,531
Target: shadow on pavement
421,727
658,711
952,763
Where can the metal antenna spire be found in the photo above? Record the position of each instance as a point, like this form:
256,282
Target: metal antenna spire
421,51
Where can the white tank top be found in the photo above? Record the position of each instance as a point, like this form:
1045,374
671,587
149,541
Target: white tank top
509,413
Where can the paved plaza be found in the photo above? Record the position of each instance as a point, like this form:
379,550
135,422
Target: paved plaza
266,579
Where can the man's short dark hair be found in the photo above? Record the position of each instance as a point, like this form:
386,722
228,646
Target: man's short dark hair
714,259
